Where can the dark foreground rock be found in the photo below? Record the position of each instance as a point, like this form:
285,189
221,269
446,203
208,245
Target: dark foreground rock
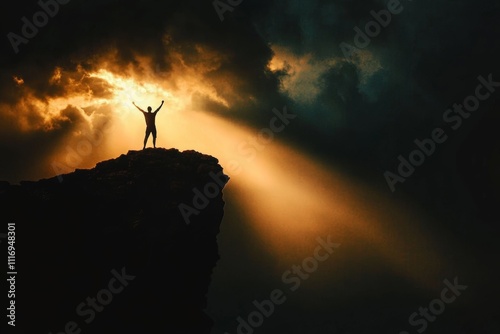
107,250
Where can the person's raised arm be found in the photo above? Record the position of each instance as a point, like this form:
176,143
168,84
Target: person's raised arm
161,105
137,107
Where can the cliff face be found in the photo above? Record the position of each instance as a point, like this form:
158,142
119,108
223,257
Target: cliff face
128,246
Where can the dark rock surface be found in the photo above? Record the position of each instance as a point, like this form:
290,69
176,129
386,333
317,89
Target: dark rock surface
122,215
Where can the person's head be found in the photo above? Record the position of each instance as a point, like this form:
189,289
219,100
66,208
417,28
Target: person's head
149,109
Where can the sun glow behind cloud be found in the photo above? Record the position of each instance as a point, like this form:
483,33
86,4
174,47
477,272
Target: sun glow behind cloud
126,90
100,101
289,200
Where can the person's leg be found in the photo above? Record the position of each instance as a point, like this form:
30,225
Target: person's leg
154,137
146,138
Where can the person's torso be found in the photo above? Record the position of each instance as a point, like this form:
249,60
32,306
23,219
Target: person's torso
150,119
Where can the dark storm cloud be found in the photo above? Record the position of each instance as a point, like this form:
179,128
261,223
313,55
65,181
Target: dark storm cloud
429,56
74,40
82,30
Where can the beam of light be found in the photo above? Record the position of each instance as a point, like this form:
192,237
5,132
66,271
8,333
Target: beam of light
290,200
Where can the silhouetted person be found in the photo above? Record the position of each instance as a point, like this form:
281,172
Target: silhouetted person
150,123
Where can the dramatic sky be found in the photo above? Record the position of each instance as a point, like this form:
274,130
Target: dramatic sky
66,93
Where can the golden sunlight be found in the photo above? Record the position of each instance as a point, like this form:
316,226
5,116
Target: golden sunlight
290,200
127,90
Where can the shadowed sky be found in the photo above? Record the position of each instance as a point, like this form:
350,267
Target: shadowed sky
264,54
66,103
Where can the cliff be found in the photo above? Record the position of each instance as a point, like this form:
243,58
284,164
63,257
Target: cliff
128,246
